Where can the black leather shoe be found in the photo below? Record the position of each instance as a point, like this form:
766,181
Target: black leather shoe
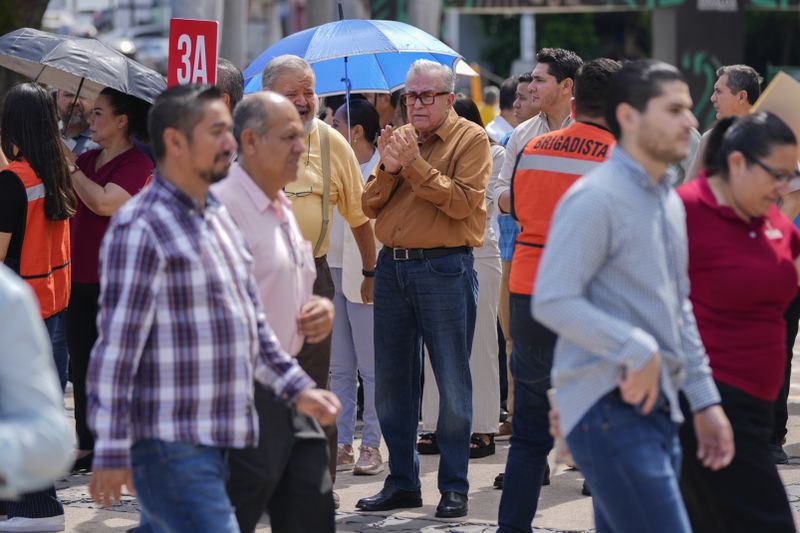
452,505
390,498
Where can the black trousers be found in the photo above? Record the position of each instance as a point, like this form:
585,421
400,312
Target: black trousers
746,496
316,358
287,474
792,316
81,336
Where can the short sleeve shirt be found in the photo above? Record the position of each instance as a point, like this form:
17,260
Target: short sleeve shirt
742,278
13,214
345,189
130,170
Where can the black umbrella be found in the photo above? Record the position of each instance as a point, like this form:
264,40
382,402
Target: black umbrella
76,64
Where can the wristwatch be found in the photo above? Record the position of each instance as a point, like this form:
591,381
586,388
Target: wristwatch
368,273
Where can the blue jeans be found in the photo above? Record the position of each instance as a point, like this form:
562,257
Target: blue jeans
181,488
353,355
632,463
531,362
56,329
432,301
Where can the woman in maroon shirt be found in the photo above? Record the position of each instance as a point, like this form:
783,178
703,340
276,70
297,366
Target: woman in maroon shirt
743,270
103,179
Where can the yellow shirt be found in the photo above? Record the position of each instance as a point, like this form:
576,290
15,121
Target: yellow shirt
345,191
488,112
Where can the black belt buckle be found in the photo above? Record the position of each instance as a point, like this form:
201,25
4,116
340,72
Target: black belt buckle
400,254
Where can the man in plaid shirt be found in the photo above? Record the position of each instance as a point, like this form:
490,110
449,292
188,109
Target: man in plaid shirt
182,334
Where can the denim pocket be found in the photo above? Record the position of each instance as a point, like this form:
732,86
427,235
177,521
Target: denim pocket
449,265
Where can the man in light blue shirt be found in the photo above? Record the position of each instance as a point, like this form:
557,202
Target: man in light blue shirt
613,285
35,437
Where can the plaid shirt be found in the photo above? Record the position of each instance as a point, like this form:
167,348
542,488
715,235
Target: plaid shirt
181,331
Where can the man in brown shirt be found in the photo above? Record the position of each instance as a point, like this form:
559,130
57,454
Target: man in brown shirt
428,199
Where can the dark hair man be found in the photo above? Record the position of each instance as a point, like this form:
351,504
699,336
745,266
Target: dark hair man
230,81
551,85
613,285
181,331
505,121
546,168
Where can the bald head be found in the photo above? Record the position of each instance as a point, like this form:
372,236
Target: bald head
257,112
270,136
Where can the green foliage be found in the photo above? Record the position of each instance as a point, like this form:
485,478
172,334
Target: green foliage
576,32
772,39
502,42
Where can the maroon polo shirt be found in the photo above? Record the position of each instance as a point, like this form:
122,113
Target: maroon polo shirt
743,278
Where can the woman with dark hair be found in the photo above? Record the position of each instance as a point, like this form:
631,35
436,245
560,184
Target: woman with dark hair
36,202
743,269
103,179
483,362
353,351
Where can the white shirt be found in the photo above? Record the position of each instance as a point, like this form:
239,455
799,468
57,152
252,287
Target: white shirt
533,127
498,128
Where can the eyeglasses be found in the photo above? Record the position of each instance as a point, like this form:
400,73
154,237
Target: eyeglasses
299,194
426,98
779,177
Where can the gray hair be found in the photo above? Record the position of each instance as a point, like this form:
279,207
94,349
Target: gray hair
742,78
280,65
250,114
424,66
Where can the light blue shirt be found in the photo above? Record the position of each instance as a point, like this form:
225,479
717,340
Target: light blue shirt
613,285
35,438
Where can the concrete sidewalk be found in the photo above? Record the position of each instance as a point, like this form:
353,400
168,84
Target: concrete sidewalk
561,506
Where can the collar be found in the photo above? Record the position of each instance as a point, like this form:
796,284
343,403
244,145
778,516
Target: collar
446,127
253,192
707,198
564,123
87,133
171,194
593,124
637,172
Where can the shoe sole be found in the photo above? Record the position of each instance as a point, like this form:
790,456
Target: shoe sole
368,471
344,467
404,505
457,514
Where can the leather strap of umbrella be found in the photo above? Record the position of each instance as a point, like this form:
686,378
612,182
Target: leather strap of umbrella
325,148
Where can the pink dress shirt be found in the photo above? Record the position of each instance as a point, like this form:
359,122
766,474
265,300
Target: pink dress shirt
283,259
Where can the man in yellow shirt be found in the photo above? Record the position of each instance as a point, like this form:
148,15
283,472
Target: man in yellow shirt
327,153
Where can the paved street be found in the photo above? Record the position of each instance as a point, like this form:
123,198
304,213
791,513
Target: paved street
561,508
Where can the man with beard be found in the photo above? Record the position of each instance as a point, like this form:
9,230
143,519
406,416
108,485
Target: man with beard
329,175
77,136
613,285
182,334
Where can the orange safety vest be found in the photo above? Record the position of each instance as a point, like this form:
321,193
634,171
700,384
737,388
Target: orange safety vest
45,259
546,168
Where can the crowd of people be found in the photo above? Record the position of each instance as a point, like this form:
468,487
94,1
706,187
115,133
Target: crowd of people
579,266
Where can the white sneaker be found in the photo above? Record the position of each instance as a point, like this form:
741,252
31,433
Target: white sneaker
34,525
369,462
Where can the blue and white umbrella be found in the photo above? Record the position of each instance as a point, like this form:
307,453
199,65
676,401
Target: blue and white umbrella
373,55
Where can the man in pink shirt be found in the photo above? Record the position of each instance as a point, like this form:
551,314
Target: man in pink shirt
287,474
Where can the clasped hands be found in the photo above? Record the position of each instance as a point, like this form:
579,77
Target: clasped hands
398,148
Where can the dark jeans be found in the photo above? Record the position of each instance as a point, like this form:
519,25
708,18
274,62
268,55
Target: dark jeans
316,358
632,462
792,316
81,336
181,487
748,495
287,474
531,363
435,301
56,330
